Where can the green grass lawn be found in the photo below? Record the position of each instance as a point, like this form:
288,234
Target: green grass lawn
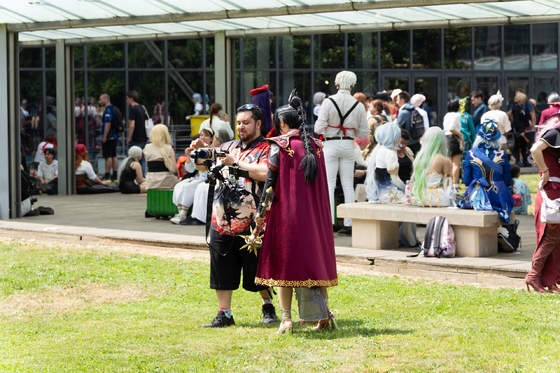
85,310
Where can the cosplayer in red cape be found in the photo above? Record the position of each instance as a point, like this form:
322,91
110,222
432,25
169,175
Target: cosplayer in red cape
298,247
545,269
262,97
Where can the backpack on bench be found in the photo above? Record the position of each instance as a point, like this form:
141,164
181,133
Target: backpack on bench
439,240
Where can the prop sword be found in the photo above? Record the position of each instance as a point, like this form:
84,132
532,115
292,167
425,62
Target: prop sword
253,242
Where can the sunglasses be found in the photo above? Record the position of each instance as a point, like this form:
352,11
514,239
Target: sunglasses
245,107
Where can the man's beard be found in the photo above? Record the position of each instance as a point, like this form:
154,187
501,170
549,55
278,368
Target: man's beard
248,136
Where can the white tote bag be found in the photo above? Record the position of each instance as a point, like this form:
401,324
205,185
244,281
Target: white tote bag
550,208
149,123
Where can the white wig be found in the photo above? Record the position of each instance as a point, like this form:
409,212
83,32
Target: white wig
133,152
386,135
345,79
495,101
318,97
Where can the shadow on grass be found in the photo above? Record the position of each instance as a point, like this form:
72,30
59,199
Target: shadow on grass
346,329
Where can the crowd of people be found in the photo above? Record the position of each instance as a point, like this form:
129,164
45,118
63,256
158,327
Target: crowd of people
281,179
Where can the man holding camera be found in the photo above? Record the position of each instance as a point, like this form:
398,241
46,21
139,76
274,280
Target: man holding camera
234,206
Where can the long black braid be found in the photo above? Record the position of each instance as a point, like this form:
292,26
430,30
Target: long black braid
294,116
309,162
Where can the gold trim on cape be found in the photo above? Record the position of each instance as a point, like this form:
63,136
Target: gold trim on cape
296,284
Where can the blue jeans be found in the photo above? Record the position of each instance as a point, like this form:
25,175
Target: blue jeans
143,160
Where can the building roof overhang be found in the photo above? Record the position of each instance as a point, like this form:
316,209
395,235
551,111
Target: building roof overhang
78,22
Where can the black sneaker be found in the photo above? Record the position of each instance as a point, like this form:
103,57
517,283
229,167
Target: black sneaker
269,314
503,244
191,221
106,177
221,321
346,231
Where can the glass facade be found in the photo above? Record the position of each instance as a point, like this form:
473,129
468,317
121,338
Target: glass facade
488,48
516,47
441,63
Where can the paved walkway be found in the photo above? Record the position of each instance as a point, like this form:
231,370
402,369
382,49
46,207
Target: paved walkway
121,217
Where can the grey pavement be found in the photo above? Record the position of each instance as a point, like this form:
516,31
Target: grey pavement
121,217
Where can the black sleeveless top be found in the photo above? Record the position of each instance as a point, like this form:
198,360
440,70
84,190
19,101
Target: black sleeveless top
405,168
128,174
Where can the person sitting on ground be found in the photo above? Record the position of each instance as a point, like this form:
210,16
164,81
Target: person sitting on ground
131,180
431,182
160,156
87,181
521,192
50,142
183,192
47,172
218,120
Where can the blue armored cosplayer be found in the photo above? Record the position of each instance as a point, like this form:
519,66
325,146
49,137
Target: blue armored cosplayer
486,171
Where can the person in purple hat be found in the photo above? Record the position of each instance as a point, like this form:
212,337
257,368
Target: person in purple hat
262,97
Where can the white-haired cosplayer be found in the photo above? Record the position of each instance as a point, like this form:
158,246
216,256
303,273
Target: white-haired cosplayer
345,80
498,116
383,184
341,118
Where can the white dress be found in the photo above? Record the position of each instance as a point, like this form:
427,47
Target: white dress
439,191
217,124
200,202
183,192
380,188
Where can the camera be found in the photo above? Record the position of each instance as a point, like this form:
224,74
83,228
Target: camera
207,154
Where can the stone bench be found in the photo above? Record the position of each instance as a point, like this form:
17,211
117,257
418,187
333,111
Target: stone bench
375,226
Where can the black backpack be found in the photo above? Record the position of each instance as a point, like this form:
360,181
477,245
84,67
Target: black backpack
117,124
417,128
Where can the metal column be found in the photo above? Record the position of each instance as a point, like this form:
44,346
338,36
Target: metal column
10,159
65,118
224,75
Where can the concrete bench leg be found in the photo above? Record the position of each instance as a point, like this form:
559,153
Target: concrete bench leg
475,241
375,234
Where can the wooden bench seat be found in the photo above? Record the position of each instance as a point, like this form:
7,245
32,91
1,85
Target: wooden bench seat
375,226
